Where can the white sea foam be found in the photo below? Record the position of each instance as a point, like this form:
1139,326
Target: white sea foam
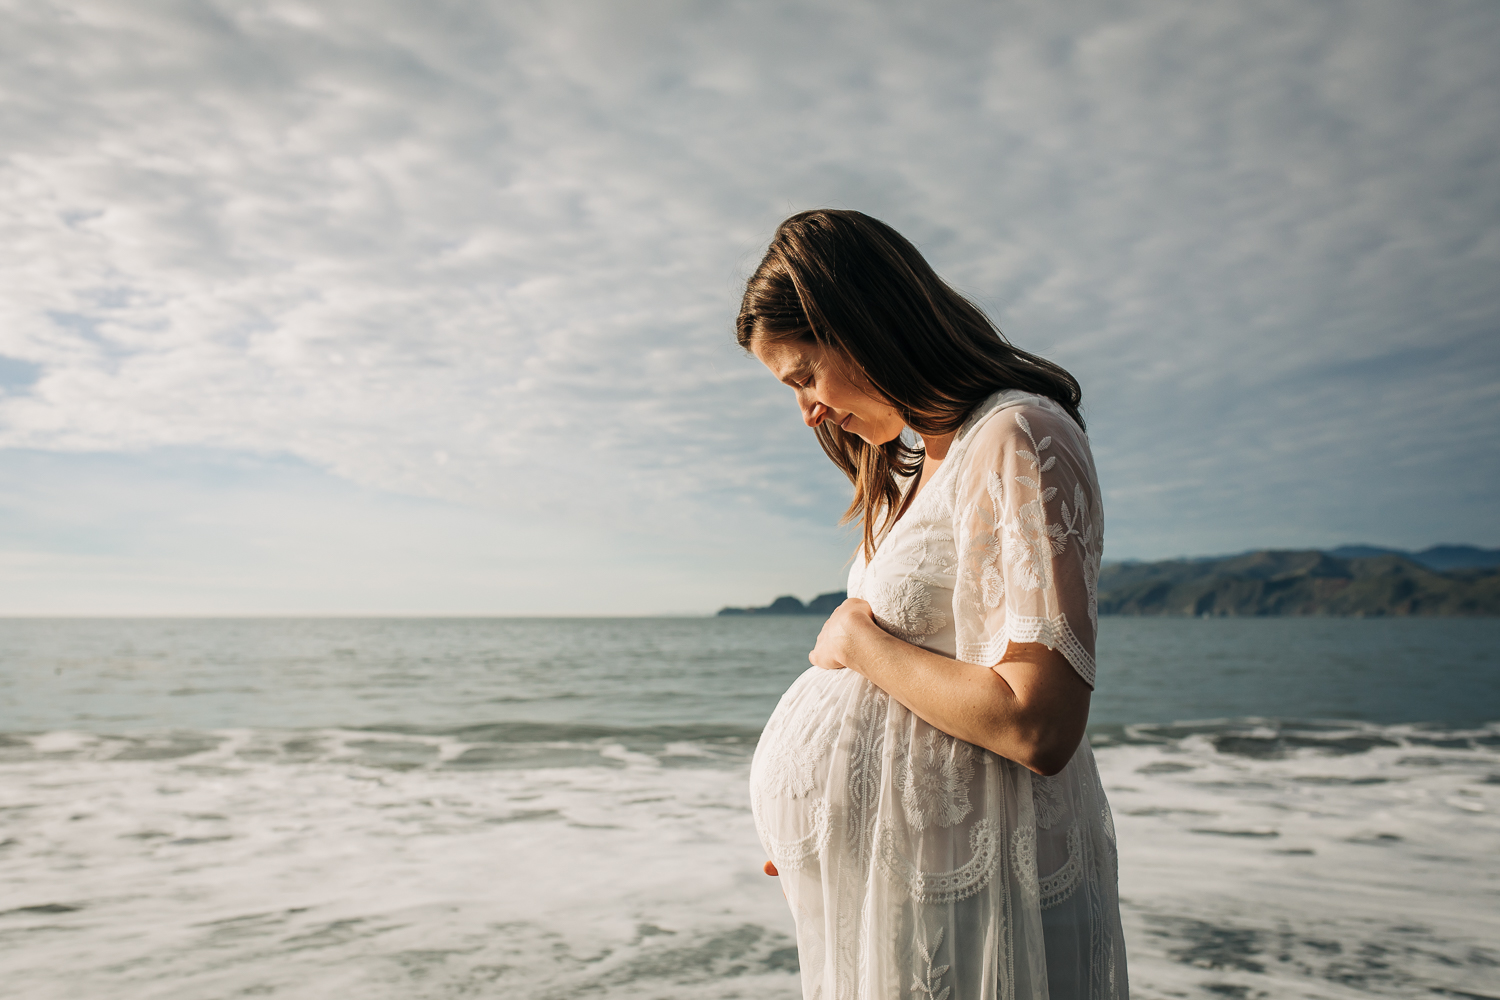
1330,864
1255,862
239,870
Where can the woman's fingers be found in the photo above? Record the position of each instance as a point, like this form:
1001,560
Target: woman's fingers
828,652
770,869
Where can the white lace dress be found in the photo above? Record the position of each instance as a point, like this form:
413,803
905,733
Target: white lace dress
918,865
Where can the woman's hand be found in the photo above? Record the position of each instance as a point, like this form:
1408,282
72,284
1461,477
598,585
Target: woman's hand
848,621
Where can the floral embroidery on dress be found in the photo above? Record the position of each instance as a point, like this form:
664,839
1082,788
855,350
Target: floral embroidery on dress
792,855
927,986
1037,540
865,750
1047,799
985,549
1011,544
933,774
1057,887
790,767
950,886
1078,523
1041,540
905,610
993,585
1023,860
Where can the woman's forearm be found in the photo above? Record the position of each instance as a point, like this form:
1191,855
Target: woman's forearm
1031,708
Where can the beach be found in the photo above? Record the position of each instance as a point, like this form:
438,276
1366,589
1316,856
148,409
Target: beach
555,808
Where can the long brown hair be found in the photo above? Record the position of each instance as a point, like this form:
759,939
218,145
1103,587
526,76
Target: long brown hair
850,283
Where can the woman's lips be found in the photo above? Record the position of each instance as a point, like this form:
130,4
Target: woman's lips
847,417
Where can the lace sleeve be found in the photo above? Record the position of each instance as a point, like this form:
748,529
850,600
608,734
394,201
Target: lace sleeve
1029,529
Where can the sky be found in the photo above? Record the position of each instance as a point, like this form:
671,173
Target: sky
426,307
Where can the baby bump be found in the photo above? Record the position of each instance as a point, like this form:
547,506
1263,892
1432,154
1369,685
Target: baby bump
802,764
792,756
843,766
833,746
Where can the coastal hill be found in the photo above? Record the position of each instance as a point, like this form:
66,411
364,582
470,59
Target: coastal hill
1438,557
823,605
1353,581
1271,582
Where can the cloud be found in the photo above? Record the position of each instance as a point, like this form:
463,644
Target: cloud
488,254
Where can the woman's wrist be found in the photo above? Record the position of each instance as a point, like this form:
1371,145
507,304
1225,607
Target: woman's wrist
862,644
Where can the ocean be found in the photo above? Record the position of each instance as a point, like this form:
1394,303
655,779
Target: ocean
557,808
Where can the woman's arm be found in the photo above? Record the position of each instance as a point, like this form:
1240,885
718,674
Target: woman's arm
1031,707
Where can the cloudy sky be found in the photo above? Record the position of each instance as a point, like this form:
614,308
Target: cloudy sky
384,306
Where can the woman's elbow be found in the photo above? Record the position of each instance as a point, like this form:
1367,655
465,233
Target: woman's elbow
1046,751
1041,722
1050,761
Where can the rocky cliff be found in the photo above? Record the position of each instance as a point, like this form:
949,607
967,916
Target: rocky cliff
1273,582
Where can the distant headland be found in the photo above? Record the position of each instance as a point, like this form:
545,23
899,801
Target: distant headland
823,605
1359,581
1354,581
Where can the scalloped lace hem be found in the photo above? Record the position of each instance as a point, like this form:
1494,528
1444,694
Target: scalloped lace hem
1054,633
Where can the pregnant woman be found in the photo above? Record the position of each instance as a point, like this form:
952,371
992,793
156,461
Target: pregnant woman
925,790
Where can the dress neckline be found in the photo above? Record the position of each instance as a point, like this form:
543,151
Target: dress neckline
993,403
920,498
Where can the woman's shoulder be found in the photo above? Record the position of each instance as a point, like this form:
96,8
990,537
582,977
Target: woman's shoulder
1014,419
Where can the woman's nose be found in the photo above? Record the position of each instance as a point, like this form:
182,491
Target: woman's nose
814,415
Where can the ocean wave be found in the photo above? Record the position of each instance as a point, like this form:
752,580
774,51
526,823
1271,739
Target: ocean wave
1278,738
1257,857
549,745
400,747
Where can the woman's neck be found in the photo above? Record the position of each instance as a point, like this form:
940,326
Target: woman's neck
935,446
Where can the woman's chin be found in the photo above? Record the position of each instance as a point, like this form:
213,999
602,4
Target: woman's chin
875,437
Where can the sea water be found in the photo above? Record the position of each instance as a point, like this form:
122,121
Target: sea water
552,808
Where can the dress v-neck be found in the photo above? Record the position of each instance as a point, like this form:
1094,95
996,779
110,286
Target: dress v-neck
912,506
907,505
997,401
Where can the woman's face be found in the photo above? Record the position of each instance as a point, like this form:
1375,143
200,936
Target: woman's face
826,390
